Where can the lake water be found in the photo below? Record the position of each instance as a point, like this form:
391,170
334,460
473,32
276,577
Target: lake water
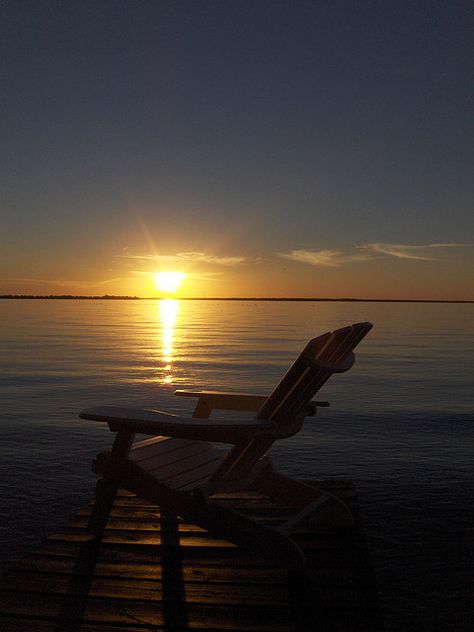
400,422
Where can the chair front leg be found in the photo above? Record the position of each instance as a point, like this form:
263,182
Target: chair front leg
203,409
308,501
106,488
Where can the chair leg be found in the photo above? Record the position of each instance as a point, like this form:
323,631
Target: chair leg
310,502
260,539
106,491
106,488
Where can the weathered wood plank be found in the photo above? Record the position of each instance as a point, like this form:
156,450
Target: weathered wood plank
146,538
125,612
150,554
154,572
28,624
252,508
196,592
150,590
190,573
129,521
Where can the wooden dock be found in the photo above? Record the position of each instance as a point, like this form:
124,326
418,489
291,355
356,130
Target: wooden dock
154,572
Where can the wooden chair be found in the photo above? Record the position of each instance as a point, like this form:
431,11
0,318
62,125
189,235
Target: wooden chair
179,469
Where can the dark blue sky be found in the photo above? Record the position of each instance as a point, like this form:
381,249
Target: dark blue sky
266,131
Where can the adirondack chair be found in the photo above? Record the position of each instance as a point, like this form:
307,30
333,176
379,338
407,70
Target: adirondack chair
178,469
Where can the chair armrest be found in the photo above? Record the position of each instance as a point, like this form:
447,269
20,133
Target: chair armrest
310,408
244,402
154,422
217,400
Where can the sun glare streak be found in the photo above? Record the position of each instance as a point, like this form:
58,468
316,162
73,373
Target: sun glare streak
168,282
169,309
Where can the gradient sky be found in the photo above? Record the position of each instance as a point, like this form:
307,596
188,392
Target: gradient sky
265,148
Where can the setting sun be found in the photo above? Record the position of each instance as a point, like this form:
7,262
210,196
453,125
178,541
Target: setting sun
169,281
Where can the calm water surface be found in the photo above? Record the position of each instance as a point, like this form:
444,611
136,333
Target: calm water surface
400,422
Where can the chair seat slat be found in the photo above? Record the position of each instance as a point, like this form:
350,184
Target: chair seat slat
154,462
194,475
179,460
158,446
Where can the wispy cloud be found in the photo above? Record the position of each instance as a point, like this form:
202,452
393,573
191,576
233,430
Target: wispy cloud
422,252
32,280
60,283
325,258
191,257
201,276
214,259
377,250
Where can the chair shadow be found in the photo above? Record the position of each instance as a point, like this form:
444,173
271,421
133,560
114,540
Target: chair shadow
174,608
173,603
307,605
74,604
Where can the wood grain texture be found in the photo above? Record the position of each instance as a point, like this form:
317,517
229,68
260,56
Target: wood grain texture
154,571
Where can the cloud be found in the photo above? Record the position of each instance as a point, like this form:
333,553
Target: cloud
60,283
377,250
31,280
206,258
326,258
181,257
405,251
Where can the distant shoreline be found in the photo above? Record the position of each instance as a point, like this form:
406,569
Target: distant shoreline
234,298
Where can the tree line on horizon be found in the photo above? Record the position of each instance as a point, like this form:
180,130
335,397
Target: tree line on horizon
232,298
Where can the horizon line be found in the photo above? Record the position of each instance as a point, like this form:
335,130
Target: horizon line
230,298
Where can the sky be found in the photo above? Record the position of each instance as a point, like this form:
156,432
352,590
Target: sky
262,148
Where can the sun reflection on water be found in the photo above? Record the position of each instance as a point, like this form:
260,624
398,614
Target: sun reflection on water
168,310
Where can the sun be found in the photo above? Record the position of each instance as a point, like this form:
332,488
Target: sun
169,282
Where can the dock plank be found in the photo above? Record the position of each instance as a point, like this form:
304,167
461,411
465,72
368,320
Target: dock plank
154,572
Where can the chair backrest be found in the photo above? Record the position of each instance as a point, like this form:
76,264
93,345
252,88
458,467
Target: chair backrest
322,356
327,354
